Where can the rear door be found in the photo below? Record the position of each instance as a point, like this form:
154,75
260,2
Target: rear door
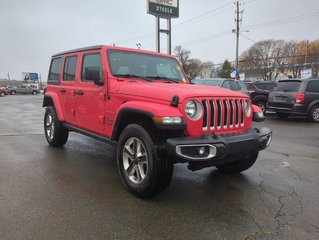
67,86
284,94
90,97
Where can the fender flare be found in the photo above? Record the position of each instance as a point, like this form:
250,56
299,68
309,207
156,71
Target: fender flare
147,110
52,99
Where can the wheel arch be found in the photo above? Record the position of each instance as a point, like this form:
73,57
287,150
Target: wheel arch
259,98
128,116
311,105
144,112
52,99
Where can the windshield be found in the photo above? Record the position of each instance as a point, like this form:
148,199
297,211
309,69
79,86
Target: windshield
207,82
288,86
146,66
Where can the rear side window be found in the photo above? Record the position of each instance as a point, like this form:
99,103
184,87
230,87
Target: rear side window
235,86
226,84
70,68
91,60
288,86
55,71
313,86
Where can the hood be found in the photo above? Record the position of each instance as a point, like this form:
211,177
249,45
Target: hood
166,91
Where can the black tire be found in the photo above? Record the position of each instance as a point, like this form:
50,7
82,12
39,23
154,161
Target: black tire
262,106
314,114
240,165
13,92
34,92
55,133
149,174
2,94
283,115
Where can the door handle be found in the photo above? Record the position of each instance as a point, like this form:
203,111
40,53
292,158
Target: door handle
79,92
62,91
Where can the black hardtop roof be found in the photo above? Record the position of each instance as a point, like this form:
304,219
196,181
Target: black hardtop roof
78,50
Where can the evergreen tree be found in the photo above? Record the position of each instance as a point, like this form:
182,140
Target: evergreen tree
226,70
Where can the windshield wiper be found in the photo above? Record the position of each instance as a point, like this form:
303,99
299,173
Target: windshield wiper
161,78
132,76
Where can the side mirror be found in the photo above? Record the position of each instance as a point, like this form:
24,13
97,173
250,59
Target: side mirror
93,73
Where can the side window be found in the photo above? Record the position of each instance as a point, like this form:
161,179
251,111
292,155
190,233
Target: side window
226,84
313,86
235,86
69,68
55,70
91,60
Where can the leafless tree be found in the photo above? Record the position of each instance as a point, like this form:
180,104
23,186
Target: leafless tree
266,56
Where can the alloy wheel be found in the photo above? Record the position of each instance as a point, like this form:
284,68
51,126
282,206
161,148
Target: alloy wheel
49,126
135,160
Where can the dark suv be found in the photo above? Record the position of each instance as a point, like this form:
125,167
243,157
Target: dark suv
296,97
259,92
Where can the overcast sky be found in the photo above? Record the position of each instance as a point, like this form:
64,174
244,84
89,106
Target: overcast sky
33,30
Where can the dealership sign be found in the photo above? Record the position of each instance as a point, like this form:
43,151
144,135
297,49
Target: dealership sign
163,8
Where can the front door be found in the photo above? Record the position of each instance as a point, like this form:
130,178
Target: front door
90,98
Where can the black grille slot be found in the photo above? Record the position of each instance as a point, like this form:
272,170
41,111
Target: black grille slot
237,112
219,113
242,111
212,115
231,105
205,120
225,113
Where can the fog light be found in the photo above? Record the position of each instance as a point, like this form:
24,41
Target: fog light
201,151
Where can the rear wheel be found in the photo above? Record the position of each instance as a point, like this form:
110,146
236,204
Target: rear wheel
13,92
314,114
240,165
2,94
55,133
34,92
143,168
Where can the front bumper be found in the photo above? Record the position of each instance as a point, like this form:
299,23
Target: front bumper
213,150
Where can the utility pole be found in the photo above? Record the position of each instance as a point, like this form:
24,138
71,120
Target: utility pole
238,20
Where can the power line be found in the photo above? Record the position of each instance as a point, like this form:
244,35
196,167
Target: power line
186,23
284,20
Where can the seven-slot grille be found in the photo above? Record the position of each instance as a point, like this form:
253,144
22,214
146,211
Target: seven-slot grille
223,113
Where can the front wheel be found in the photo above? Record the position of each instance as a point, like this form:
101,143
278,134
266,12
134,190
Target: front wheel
13,92
55,133
240,165
34,92
143,168
314,114
2,94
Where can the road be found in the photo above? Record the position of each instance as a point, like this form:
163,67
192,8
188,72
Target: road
75,192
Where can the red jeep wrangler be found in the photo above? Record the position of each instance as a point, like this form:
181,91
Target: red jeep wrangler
141,101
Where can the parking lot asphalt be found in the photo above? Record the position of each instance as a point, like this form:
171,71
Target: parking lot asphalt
75,192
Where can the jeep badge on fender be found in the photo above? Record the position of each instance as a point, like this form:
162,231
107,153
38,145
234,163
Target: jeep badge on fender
138,100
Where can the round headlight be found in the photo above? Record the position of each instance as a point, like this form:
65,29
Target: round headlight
193,109
247,108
